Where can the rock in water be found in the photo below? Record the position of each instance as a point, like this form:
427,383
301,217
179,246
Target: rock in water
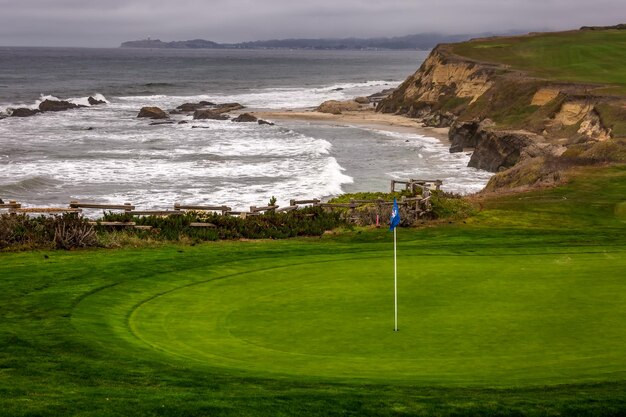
152,113
228,107
245,118
94,102
24,112
265,122
57,105
209,114
189,107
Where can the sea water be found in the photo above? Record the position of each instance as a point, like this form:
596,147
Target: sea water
105,153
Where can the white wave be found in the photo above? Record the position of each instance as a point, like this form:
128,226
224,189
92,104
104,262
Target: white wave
143,182
268,98
436,162
82,101
107,154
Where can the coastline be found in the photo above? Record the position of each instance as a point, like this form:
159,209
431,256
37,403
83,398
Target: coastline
362,118
425,150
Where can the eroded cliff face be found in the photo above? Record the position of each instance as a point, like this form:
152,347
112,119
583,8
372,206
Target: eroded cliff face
581,114
441,77
504,117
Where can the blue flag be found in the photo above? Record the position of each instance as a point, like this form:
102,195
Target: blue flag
395,216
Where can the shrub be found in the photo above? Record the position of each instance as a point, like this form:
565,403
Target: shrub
61,232
450,206
442,205
71,231
310,221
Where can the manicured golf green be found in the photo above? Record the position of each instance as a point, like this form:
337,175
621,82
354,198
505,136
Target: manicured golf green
508,319
516,311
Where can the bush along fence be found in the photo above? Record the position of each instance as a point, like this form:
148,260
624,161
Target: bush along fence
66,227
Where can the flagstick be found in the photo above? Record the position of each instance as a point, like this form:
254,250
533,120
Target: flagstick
395,280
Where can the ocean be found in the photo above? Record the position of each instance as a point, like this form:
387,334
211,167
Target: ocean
106,154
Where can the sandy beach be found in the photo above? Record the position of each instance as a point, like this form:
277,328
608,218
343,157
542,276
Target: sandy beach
368,118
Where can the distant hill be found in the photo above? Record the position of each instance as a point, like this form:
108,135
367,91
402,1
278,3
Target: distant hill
156,43
422,41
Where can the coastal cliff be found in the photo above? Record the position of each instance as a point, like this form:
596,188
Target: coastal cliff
510,115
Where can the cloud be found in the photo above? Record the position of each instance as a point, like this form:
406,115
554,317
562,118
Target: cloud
107,23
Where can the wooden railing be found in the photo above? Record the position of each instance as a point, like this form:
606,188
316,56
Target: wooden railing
418,203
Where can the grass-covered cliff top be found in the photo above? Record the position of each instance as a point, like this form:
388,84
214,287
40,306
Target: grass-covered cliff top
584,56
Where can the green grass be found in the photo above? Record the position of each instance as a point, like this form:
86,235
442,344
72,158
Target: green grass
580,56
515,311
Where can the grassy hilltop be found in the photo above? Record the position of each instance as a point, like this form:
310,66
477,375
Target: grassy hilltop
583,56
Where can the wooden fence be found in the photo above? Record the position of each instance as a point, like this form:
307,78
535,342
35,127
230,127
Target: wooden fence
419,204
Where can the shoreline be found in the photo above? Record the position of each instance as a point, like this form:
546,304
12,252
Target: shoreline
362,118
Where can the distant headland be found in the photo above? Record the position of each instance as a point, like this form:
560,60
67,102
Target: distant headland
422,41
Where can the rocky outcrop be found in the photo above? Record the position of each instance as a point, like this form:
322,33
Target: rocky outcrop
441,77
209,115
592,127
152,113
381,95
496,150
227,107
191,107
499,150
51,105
24,112
245,118
464,135
337,107
95,102
439,119
57,105
581,114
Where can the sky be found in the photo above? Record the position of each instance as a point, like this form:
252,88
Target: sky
107,23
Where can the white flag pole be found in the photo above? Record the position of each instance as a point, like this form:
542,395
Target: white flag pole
395,280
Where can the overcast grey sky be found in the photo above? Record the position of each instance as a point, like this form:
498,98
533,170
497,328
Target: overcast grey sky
104,23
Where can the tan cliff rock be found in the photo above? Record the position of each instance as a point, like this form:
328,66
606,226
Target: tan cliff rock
544,96
584,115
442,76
